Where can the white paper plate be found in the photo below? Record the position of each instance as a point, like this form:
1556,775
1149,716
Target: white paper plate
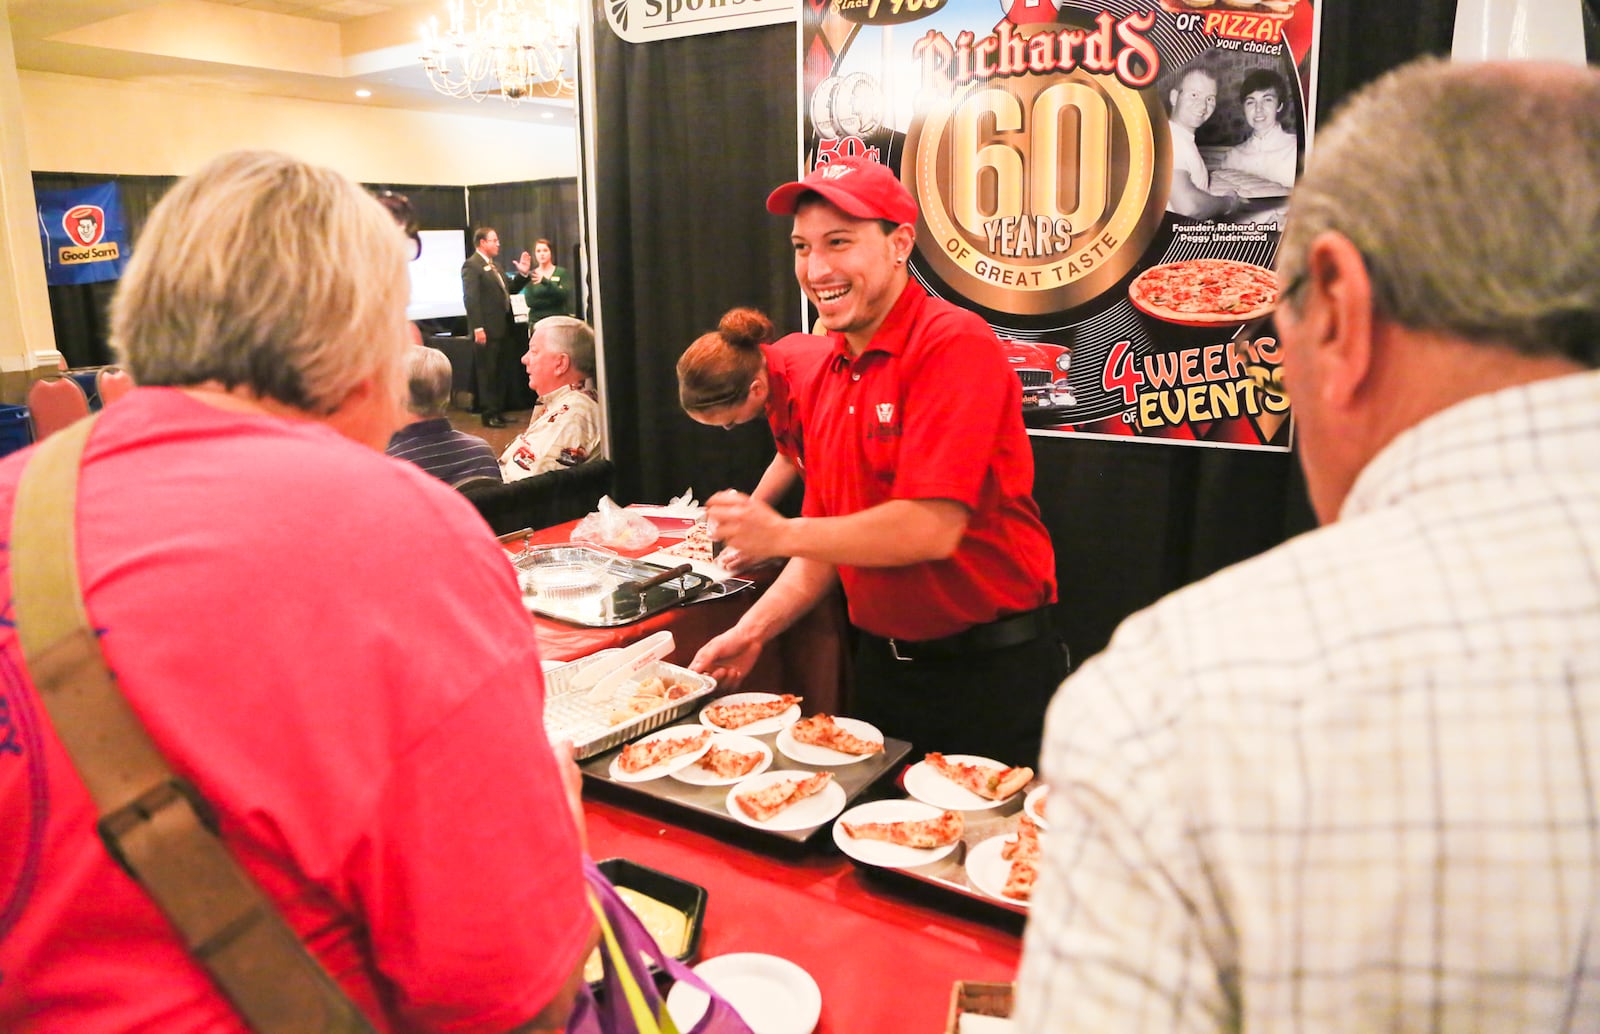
727,741
807,754
759,728
813,811
772,994
879,852
925,784
667,767
988,871
1035,801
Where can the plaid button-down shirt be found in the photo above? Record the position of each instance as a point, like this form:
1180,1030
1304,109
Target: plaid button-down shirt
1352,784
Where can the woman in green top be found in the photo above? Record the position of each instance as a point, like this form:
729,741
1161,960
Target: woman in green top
549,290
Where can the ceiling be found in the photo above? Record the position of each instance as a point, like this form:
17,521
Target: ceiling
320,50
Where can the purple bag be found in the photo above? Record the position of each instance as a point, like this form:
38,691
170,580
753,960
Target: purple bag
631,1004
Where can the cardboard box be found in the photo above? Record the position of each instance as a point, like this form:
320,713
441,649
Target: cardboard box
978,999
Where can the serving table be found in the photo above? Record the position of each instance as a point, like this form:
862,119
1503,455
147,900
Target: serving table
884,962
808,660
884,957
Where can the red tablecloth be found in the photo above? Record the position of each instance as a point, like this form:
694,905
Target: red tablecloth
808,660
884,963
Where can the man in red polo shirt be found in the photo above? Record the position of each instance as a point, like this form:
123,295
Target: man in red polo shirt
919,482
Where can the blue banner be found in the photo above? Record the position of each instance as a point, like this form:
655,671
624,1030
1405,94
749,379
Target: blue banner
83,235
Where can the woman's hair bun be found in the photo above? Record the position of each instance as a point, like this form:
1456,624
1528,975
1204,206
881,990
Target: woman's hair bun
746,328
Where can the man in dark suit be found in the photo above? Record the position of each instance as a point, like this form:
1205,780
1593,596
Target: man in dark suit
488,299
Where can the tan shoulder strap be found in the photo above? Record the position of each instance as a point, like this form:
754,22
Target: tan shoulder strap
153,822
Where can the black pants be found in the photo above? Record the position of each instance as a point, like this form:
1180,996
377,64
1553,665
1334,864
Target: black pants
990,704
489,366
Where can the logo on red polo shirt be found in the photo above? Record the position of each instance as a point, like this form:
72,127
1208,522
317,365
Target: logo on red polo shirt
886,413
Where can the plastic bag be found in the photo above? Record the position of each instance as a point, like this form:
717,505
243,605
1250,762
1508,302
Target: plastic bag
631,1004
685,505
616,528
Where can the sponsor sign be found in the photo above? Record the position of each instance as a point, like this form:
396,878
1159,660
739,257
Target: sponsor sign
645,21
1105,181
82,234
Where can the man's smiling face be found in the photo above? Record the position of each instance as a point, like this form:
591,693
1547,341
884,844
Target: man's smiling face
847,266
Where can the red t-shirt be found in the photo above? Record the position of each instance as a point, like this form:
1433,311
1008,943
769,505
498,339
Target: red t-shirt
793,362
931,410
330,644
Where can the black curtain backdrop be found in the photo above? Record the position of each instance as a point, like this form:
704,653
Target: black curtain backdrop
437,207
81,313
522,212
690,136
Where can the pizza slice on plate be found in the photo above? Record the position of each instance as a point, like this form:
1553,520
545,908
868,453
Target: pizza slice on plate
737,716
820,730
696,545
769,800
636,757
1026,847
943,830
987,781
1019,881
1023,853
729,764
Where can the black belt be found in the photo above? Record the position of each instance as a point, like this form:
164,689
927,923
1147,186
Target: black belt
998,634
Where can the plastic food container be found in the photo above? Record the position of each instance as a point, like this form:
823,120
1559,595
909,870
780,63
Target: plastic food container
688,898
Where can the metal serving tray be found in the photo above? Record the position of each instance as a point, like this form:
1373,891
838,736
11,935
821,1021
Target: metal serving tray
709,803
948,875
570,714
576,583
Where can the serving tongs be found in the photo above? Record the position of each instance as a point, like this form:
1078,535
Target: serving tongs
628,600
601,677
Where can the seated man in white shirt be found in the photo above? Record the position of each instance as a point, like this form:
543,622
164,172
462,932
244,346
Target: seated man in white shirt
565,428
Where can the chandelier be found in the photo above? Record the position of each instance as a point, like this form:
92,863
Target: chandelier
515,48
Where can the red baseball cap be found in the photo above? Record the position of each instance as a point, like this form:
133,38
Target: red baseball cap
864,189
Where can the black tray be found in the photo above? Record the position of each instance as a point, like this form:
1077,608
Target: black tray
706,805
688,898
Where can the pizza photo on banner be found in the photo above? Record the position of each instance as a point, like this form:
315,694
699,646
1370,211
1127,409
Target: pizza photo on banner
1104,182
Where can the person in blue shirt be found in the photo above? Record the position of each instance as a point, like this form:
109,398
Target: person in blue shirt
429,441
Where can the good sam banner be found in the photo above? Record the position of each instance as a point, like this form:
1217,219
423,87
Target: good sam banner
83,234
1105,182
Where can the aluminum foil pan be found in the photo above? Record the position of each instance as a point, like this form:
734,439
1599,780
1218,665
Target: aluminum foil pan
570,714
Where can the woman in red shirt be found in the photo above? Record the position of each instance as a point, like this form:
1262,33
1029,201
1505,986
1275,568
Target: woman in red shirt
737,372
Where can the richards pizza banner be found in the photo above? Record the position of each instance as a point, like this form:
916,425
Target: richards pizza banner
1104,181
82,233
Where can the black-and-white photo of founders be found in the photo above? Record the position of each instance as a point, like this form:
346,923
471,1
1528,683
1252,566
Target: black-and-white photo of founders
1234,120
